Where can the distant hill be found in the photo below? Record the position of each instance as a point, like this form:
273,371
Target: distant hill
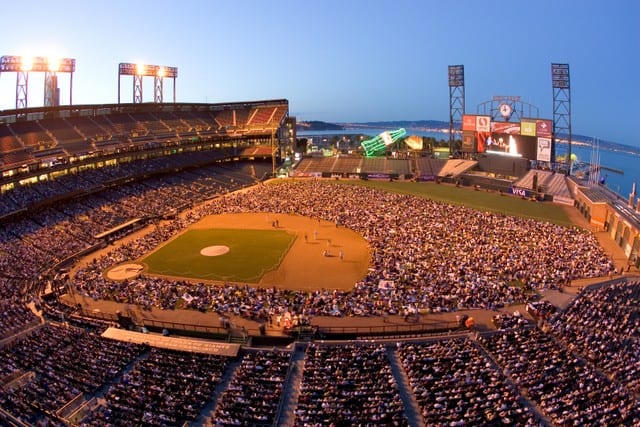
434,125
407,124
315,125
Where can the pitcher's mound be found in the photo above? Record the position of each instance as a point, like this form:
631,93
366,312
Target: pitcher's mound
214,250
124,271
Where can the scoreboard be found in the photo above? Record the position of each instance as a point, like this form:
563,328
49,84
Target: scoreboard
529,138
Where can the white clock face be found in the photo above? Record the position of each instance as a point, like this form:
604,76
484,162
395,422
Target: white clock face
505,110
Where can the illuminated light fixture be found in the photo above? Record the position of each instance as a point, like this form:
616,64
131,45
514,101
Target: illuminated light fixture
139,70
26,63
36,64
54,64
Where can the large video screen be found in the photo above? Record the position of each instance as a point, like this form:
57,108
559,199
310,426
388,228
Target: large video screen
529,138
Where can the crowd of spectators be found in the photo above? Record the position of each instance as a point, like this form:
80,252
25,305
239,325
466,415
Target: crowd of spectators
569,391
603,326
92,179
429,255
436,256
348,385
166,388
65,362
509,320
254,393
15,317
35,242
455,384
541,309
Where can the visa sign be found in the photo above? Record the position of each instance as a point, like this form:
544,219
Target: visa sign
519,192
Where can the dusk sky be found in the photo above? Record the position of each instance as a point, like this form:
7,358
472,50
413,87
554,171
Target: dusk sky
344,61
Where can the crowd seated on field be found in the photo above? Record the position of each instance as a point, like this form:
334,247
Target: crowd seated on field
568,390
254,393
348,385
437,257
456,384
603,326
167,388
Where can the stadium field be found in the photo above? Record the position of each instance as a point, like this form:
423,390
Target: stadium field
299,253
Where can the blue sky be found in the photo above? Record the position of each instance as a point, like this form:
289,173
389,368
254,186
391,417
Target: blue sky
344,61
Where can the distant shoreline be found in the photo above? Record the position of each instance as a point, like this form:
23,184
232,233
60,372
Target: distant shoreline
436,126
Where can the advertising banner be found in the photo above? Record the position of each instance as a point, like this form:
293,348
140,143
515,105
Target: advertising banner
505,127
544,128
468,142
483,123
522,192
544,149
468,122
528,127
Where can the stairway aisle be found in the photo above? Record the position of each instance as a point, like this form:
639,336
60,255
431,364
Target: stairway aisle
292,389
411,409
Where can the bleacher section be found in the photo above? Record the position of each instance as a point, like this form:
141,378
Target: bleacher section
315,165
456,167
549,182
88,128
32,134
61,130
383,165
66,131
429,166
226,118
122,124
151,123
15,158
262,116
8,142
347,165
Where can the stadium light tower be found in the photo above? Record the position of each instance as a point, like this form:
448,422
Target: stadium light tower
560,83
456,99
138,71
23,65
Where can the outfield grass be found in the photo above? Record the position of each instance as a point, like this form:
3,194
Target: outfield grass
476,199
251,254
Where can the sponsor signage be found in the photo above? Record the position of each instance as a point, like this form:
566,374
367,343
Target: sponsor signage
468,122
528,127
505,127
544,149
520,192
483,123
468,142
544,128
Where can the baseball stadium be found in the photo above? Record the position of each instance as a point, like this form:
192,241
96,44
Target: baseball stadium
168,264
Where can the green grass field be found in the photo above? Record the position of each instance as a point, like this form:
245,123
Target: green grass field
251,254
